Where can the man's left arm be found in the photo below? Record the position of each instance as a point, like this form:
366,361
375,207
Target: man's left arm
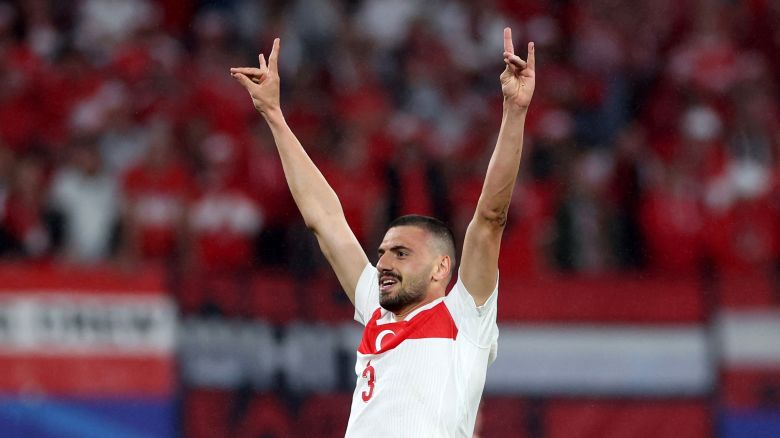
479,261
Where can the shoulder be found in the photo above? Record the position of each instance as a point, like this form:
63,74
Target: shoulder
476,323
460,294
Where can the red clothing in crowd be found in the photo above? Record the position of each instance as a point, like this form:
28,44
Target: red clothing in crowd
157,199
18,100
22,220
359,192
743,239
224,223
672,225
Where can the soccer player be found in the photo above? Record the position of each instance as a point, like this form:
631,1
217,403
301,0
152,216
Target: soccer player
422,362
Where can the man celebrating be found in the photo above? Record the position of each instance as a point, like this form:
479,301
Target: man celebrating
422,362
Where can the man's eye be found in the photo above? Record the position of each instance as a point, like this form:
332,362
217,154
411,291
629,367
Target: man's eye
402,254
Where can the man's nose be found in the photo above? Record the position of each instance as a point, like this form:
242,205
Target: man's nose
383,263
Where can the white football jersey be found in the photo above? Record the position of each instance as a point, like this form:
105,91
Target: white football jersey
423,376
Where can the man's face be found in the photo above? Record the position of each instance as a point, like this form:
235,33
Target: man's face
405,266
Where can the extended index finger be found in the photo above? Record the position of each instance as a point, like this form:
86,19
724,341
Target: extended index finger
508,46
532,55
274,57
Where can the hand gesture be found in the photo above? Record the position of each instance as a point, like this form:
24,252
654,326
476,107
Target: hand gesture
518,78
262,83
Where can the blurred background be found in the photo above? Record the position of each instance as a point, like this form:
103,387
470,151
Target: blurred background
157,280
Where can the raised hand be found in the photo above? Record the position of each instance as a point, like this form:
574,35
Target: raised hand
262,83
518,79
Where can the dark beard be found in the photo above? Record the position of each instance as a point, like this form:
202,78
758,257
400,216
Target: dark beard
412,294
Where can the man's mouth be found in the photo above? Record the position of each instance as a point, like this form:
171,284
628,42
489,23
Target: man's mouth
386,282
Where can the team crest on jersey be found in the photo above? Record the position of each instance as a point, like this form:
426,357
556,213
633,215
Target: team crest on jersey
435,322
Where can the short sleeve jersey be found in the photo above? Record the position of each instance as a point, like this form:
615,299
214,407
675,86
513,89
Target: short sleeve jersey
423,376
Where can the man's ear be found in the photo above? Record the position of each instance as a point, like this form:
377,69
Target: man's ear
442,269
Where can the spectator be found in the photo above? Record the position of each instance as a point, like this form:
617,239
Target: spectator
269,188
123,141
223,223
22,220
7,163
359,187
86,198
104,24
157,192
224,219
19,68
582,218
673,221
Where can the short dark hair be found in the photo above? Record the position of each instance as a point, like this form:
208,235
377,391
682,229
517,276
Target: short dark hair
438,229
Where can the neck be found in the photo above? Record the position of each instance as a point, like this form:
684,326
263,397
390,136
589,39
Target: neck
400,316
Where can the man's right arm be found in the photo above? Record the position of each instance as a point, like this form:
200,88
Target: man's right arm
314,197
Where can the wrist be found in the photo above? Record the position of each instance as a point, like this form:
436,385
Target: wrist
514,109
273,116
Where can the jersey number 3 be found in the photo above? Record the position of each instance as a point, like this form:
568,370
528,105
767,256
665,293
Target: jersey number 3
368,373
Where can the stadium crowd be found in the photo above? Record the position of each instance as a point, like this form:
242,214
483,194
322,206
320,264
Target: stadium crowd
653,143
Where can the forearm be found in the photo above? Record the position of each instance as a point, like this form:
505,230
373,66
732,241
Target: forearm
314,197
503,168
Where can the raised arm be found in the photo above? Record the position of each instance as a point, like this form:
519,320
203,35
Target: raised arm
479,262
316,200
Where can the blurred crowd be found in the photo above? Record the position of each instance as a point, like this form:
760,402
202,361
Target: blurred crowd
652,144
